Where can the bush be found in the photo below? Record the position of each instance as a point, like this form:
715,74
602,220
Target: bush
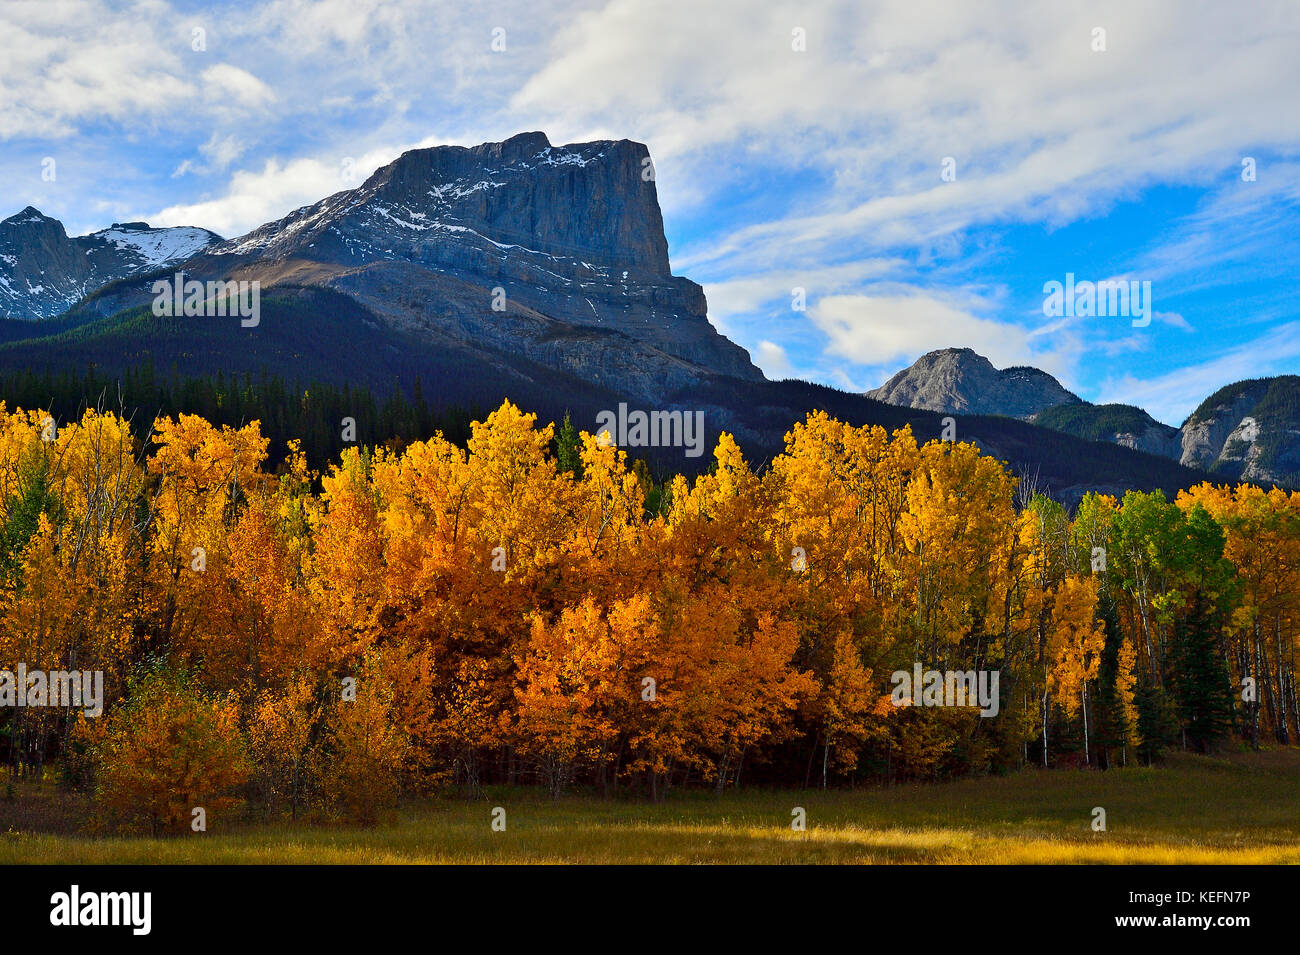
169,749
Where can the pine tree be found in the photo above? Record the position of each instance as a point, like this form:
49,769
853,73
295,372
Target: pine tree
23,510
1111,725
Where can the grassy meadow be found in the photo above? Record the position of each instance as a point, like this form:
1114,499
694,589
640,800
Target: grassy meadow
1240,808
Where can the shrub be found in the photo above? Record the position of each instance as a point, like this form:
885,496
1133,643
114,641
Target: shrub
169,749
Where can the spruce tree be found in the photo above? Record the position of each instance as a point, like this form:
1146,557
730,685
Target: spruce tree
1112,727
1202,688
566,448
1157,722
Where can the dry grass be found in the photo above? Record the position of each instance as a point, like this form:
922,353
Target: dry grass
1236,809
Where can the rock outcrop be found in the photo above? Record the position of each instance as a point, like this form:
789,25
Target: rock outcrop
1249,430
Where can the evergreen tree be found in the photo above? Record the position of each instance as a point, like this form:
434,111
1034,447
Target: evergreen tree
24,510
1202,686
1157,722
1112,729
566,448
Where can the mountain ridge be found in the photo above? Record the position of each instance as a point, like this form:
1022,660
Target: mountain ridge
555,252
59,270
1247,430
961,381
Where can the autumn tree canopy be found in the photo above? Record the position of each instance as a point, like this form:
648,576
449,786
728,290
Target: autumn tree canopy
450,615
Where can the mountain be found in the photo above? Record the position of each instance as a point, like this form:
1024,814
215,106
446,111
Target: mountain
515,270
43,271
1249,430
1246,431
552,254
1124,425
959,381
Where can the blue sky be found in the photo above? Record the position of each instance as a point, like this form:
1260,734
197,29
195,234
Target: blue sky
778,168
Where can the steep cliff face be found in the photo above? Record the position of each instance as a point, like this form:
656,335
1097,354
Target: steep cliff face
590,208
959,381
556,253
1248,430
44,271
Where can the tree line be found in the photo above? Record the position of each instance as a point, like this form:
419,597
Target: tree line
311,414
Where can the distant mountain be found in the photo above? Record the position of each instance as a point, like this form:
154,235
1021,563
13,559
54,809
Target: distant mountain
1249,430
1120,424
959,381
1246,431
44,272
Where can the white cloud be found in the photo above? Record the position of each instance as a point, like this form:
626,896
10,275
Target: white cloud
310,28
219,152
75,61
884,329
747,294
773,360
1041,126
257,197
1174,319
275,190
224,82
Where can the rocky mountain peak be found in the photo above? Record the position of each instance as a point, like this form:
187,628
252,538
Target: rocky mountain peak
585,211
29,216
43,271
31,228
554,252
961,381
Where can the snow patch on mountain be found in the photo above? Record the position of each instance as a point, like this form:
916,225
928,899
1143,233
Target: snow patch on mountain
158,247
